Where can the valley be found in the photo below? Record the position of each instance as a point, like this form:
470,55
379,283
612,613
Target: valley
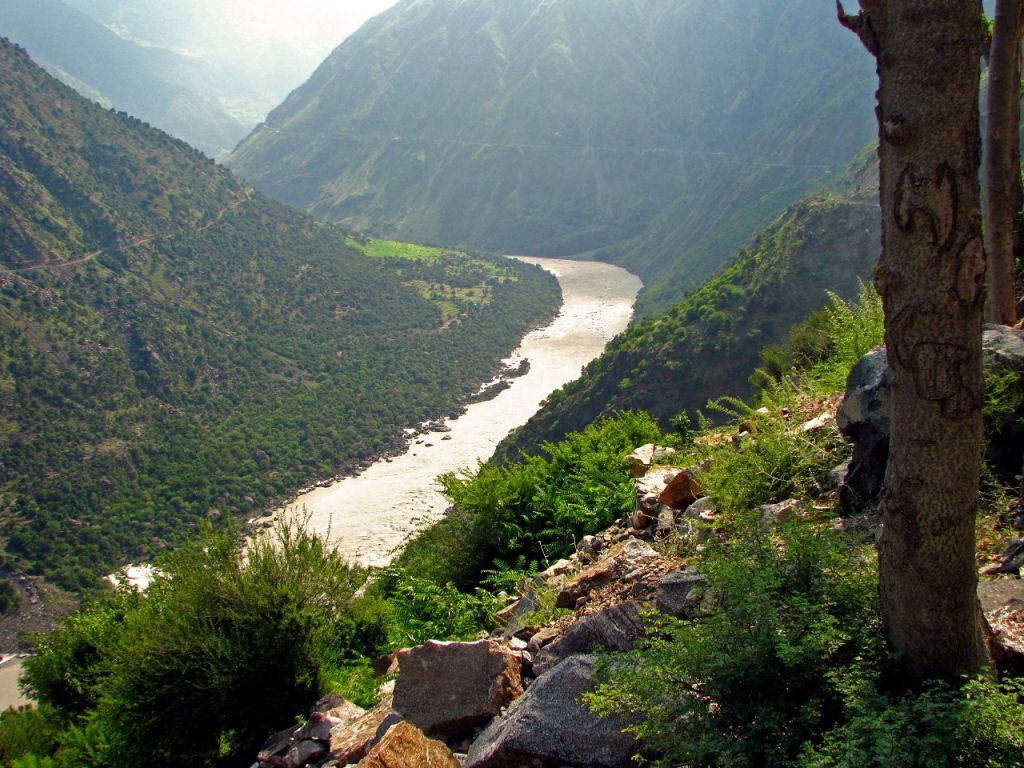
370,515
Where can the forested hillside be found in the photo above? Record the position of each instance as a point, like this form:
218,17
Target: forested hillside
175,347
556,128
157,85
708,345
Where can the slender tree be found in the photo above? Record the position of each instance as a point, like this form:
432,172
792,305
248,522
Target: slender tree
1002,195
930,278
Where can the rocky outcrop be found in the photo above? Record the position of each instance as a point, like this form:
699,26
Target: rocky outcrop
449,688
549,727
513,700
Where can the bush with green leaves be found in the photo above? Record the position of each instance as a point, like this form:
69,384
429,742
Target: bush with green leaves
980,725
224,649
536,508
777,461
421,610
794,620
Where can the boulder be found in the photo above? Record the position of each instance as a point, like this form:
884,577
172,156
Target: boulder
681,491
405,746
447,688
350,743
548,727
1003,351
1007,639
636,553
679,593
774,514
307,743
697,520
640,460
615,629
647,493
863,418
511,618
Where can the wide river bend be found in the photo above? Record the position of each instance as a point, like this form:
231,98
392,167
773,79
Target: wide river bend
369,516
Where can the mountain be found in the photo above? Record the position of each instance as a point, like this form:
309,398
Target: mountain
157,85
174,347
708,345
557,127
251,53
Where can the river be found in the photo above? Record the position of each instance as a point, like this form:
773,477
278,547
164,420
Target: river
369,516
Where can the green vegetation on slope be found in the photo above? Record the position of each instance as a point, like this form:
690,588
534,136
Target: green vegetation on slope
175,347
708,345
784,664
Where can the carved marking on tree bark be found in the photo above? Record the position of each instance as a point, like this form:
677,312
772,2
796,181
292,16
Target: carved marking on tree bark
936,367
972,270
934,199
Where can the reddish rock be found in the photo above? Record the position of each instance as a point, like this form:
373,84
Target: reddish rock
1007,638
681,491
344,714
386,665
350,743
449,688
405,746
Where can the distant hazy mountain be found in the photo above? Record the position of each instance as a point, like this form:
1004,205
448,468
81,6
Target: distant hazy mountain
562,126
156,85
250,53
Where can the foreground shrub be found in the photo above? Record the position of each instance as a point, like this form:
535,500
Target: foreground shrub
978,726
224,649
795,621
538,507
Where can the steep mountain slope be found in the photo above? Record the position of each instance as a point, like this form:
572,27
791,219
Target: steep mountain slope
562,126
156,85
174,346
707,346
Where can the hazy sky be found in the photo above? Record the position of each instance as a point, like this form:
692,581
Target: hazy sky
313,24
257,50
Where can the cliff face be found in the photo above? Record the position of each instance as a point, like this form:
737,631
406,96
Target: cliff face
708,345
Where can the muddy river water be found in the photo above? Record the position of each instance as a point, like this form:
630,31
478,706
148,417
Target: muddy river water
369,516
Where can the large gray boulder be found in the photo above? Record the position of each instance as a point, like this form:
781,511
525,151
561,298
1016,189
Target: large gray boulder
549,728
863,418
1003,350
615,628
679,593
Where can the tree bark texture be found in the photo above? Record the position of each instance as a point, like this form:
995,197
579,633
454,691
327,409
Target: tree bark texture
1002,192
930,277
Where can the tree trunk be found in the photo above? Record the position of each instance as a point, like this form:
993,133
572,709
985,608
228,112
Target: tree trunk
930,278
1002,193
